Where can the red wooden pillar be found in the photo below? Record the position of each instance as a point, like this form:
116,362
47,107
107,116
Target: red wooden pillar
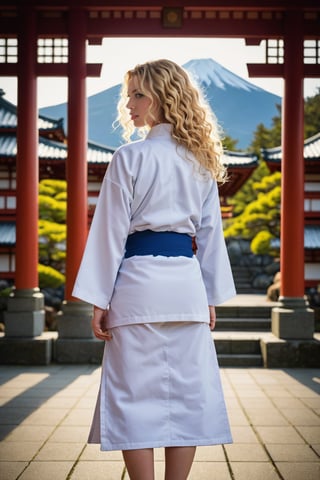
76,172
76,343
27,156
292,218
293,319
25,313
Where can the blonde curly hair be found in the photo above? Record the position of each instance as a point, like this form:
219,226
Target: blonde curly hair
182,105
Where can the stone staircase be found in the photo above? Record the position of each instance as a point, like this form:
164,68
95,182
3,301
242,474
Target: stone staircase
240,325
243,279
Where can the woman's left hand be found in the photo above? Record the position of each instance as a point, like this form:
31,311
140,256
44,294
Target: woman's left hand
212,313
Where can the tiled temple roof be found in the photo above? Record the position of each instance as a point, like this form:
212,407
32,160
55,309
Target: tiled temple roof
52,150
239,159
7,234
311,238
9,119
311,150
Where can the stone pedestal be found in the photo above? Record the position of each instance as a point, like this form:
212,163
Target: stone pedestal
25,342
278,353
75,320
292,343
76,342
25,315
293,319
27,351
78,351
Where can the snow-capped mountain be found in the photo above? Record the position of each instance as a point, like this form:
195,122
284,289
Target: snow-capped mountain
207,72
238,105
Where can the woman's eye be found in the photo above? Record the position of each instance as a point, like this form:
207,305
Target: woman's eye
138,95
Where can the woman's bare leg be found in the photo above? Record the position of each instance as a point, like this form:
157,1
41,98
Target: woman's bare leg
139,463
178,462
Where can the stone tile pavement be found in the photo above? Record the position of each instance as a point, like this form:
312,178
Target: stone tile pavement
46,411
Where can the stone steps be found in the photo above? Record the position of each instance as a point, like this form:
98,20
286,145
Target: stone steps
245,279
239,328
240,360
245,311
242,278
238,349
243,324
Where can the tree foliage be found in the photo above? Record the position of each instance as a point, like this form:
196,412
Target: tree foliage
260,215
52,209
57,186
229,143
260,244
52,232
247,192
49,277
264,137
256,206
312,115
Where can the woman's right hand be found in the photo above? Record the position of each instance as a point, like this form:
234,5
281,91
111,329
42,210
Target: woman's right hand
99,324
212,313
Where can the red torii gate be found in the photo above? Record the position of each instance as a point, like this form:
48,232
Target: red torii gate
290,22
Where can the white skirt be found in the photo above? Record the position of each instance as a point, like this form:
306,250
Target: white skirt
160,387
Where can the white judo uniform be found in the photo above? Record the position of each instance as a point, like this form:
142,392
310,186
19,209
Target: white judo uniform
160,383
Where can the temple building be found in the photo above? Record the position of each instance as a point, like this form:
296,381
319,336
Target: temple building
273,158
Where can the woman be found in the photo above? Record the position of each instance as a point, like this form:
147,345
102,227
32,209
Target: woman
153,297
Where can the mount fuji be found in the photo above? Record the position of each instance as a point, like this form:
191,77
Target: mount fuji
238,105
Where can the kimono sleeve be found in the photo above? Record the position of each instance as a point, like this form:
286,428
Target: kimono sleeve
105,246
212,252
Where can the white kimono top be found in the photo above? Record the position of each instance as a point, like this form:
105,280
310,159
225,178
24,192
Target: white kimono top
153,184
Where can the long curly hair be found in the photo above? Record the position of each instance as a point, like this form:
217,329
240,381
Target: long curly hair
182,105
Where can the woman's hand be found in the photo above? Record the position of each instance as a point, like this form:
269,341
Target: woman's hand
99,324
212,313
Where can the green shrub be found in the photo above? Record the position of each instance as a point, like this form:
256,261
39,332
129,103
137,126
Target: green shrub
57,185
45,190
62,196
260,245
51,209
47,228
50,277
6,292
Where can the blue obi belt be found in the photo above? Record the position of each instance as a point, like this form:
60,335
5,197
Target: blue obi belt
167,244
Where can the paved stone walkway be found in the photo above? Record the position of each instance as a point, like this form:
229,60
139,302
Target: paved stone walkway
46,412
